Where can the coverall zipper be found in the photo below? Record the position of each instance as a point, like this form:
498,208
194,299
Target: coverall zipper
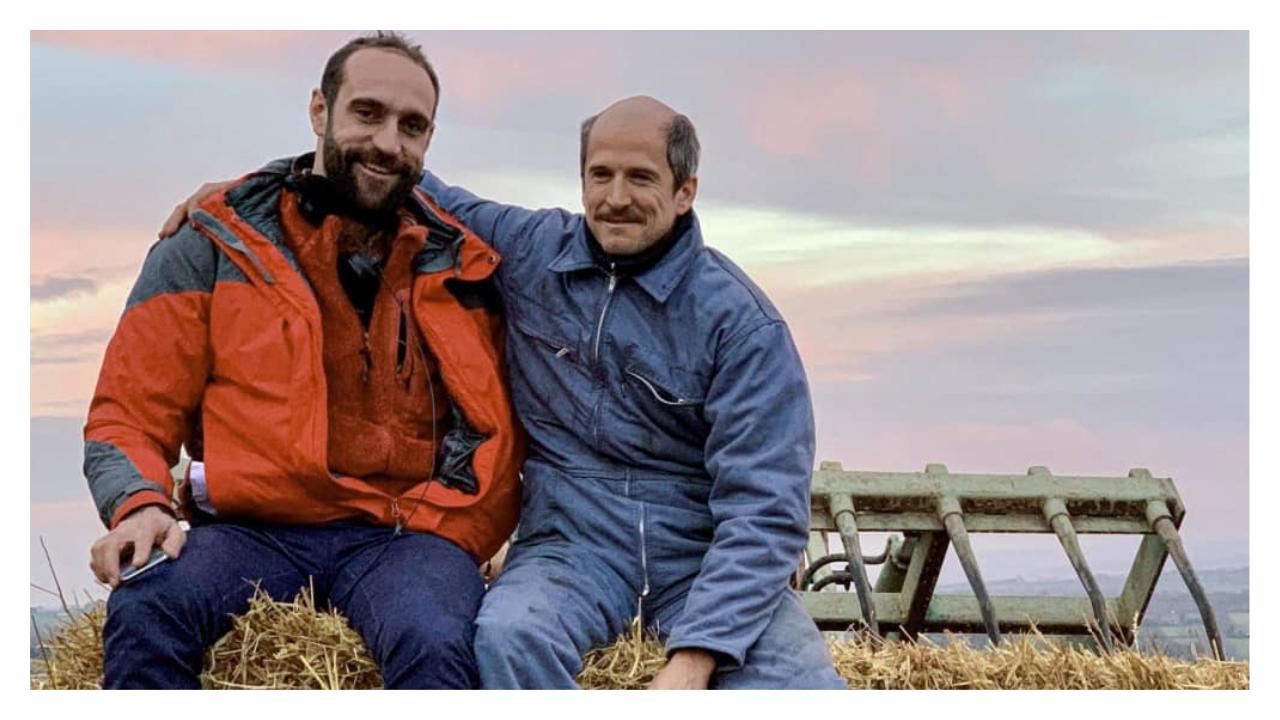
595,350
644,557
604,310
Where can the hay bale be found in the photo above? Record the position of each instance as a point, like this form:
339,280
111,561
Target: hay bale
292,645
1023,662
272,645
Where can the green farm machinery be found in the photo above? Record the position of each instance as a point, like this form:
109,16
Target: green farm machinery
928,513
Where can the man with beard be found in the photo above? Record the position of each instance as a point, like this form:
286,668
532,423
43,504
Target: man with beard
321,338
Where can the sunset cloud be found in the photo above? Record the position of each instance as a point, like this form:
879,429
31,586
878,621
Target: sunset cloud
51,288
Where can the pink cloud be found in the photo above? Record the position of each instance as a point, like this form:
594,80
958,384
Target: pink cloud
1186,242
487,77
483,72
198,48
789,113
73,245
841,329
804,113
949,90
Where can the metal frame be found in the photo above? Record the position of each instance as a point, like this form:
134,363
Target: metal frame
936,510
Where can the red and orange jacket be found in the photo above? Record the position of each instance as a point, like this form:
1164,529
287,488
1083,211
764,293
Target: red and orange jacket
220,346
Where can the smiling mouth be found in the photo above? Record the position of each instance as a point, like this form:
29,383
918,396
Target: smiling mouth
375,171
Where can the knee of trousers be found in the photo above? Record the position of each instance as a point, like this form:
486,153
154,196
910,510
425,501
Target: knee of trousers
143,607
149,621
428,640
508,637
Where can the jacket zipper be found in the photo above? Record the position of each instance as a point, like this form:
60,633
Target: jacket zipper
604,310
367,354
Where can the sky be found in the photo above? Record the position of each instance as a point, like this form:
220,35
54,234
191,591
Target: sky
995,250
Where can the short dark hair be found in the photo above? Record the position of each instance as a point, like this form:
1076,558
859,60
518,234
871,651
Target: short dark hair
335,68
682,148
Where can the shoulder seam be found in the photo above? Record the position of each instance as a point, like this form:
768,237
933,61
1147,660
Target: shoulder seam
741,336
755,293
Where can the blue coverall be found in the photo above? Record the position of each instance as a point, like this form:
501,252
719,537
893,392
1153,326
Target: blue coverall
670,453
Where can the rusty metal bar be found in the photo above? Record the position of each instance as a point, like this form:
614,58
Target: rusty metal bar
1056,512
1162,522
949,511
841,508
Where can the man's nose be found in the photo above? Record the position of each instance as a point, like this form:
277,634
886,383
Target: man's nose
618,196
387,139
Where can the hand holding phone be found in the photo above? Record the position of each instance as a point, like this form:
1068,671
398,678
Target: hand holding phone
141,533
157,557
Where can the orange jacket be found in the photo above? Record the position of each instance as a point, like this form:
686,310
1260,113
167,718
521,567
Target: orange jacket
220,343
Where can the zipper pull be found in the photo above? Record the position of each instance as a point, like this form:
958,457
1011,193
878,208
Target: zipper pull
613,276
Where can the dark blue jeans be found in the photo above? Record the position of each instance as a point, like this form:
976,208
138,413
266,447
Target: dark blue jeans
412,598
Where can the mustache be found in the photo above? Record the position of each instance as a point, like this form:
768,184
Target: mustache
619,217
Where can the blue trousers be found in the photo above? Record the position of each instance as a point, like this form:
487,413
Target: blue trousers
412,598
573,581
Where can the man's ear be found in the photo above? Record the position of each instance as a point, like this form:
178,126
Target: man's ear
685,195
319,111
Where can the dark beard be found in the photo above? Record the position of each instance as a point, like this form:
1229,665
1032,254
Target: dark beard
339,166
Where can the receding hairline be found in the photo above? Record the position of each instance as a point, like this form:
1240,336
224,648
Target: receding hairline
639,107
677,130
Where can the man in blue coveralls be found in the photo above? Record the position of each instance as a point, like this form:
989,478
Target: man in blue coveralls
670,430
670,427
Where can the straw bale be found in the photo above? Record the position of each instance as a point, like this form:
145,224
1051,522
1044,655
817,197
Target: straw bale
292,645
272,645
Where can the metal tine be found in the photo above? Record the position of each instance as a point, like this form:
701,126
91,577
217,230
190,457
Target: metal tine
1162,522
1055,511
841,508
953,519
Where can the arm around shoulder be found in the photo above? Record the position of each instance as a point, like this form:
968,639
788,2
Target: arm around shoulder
502,226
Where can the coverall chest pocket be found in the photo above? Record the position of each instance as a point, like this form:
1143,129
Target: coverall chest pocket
543,340
549,344
665,403
555,355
